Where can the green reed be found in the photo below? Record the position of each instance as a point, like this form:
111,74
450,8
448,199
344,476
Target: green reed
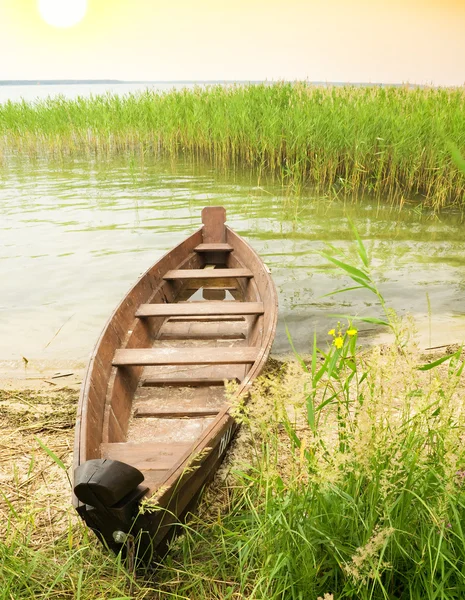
391,142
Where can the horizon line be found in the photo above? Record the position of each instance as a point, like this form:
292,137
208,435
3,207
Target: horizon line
20,82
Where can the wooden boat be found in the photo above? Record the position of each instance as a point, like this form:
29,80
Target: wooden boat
153,420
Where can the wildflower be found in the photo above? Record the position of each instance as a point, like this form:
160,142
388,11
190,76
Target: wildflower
351,331
332,332
338,342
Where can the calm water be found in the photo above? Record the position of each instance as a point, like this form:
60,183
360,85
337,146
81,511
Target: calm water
31,93
75,237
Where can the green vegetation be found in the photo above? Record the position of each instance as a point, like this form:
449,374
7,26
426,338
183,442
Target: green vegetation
347,481
353,485
369,504
389,142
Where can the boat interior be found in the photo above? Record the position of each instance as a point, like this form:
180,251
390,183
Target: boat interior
196,319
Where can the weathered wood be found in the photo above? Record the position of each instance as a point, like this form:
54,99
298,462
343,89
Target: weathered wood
219,247
166,409
210,286
218,294
200,309
185,356
146,456
224,283
174,430
206,274
207,319
196,382
264,328
207,330
213,219
188,372
166,413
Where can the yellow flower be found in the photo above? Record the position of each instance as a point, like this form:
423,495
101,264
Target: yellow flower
332,332
351,331
338,342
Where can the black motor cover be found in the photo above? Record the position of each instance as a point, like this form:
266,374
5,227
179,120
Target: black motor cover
105,482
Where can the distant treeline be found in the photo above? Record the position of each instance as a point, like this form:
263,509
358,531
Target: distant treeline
390,142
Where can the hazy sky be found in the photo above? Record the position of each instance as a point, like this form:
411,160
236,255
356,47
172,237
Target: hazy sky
320,40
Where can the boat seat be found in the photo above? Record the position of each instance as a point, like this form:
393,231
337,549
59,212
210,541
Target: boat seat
186,356
174,413
184,381
146,456
208,274
188,309
219,247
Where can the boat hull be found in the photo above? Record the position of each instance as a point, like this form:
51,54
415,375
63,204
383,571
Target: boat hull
153,397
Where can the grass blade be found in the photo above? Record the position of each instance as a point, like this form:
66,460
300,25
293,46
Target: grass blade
356,274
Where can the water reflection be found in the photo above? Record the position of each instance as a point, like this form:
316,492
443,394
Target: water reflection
74,237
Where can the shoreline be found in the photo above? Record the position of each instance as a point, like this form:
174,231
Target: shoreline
41,375
57,374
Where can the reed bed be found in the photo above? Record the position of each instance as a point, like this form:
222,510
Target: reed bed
390,142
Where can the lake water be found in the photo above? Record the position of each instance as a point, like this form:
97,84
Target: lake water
31,93
74,237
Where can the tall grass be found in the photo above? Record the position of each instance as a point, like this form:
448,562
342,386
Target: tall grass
369,505
353,485
392,142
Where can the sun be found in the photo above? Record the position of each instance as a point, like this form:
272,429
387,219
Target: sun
62,13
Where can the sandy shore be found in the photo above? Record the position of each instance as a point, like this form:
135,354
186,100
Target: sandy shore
41,375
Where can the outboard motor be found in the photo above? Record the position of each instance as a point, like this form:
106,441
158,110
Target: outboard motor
109,493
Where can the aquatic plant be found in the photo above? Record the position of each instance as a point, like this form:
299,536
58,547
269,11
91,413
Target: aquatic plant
390,142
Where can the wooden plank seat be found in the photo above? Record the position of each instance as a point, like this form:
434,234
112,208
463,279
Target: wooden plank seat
174,413
207,319
183,382
185,356
146,455
219,247
208,274
203,330
187,309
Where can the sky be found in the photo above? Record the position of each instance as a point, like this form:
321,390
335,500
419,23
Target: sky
374,41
